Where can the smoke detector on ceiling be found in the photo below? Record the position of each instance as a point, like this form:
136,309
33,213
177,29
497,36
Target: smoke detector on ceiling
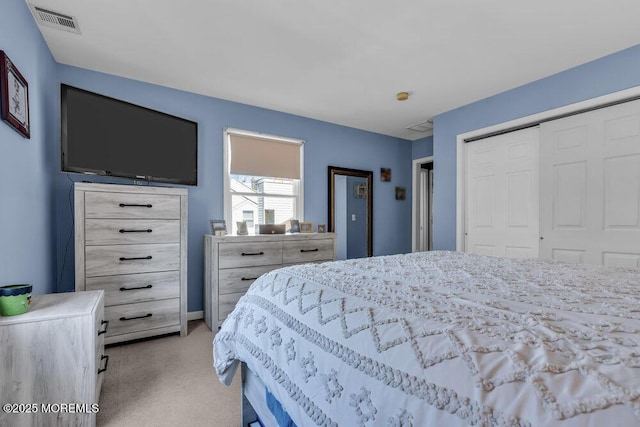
425,126
402,96
57,20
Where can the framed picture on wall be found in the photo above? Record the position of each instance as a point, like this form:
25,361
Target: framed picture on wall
14,96
401,193
385,174
359,190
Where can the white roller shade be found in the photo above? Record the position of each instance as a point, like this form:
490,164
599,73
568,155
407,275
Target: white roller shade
257,156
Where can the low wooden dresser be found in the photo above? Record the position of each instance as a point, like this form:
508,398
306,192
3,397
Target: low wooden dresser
131,241
51,356
232,263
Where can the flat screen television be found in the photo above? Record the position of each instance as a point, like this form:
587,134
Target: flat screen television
106,136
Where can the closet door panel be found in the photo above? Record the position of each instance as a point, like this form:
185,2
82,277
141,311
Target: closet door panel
570,196
621,259
622,193
567,217
485,230
590,187
502,195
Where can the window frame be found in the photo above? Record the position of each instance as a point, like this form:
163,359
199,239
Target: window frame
298,187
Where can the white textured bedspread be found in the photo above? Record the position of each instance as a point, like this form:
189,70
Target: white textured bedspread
442,339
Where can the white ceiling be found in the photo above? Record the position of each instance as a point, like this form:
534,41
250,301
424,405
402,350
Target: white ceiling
342,61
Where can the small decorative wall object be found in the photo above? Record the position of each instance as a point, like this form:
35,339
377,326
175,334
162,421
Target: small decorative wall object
241,227
14,96
359,190
306,227
295,226
401,193
385,174
218,227
322,228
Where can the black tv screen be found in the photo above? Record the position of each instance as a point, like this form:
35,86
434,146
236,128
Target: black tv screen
106,136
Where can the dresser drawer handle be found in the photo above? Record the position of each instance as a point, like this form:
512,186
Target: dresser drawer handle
309,250
136,317
135,288
252,254
248,278
129,205
106,326
106,363
148,230
135,258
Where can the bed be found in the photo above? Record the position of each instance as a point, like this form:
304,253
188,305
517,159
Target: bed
439,338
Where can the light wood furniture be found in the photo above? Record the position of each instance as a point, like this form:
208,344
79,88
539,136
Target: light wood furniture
51,355
232,263
131,241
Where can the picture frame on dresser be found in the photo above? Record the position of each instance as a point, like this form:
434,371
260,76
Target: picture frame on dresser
143,273
218,227
306,227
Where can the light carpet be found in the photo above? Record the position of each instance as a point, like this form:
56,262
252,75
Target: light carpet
167,381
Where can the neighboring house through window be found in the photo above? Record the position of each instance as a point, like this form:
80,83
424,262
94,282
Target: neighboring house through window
269,216
263,179
247,216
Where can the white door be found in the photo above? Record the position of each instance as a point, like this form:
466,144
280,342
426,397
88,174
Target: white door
501,195
422,205
590,187
424,192
423,209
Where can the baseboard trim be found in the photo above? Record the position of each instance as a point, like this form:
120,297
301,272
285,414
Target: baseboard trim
195,315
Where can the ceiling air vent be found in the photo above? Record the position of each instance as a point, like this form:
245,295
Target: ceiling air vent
426,126
60,21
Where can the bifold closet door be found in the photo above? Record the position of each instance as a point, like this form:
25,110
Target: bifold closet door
501,195
590,187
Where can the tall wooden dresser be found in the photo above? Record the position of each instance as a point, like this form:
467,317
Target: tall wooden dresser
131,241
50,356
232,263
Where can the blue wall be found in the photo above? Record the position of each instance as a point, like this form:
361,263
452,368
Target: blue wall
356,230
422,147
612,73
27,223
326,144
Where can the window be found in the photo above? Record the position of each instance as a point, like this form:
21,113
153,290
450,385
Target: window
269,216
248,216
263,179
